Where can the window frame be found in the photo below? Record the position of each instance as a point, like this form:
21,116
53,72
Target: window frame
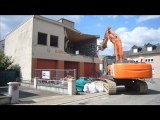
135,50
2,46
38,38
149,49
57,41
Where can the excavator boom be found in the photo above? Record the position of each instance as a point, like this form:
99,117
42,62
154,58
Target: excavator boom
118,51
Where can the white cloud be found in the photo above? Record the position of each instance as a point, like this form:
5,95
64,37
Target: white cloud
128,16
99,25
146,18
121,30
75,18
112,16
103,17
109,50
99,41
138,36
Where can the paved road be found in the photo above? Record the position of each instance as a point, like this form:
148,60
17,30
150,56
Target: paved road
27,95
123,97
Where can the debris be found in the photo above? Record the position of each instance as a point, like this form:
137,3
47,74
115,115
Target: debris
64,81
94,87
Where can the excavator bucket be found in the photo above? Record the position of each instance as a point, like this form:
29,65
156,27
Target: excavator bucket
101,58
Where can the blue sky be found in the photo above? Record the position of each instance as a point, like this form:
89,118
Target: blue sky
132,29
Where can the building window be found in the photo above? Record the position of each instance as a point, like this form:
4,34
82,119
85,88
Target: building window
135,60
53,41
135,50
77,52
149,48
149,59
42,38
2,46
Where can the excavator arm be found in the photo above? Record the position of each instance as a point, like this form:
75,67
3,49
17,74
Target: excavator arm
115,40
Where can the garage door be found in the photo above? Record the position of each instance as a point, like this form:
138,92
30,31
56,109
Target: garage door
89,69
72,65
46,64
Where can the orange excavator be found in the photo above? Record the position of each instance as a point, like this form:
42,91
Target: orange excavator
131,75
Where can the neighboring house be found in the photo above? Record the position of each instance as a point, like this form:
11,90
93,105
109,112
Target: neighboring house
42,43
149,54
2,44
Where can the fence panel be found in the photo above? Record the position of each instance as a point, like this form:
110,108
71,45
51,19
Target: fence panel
7,76
54,77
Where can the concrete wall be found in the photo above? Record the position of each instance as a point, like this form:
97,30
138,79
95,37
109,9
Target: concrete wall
155,64
54,53
52,89
66,22
18,44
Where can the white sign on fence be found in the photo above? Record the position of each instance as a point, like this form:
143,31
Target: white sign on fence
46,74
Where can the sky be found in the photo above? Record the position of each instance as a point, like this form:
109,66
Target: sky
131,29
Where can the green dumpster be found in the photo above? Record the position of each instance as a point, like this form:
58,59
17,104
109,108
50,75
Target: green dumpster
80,83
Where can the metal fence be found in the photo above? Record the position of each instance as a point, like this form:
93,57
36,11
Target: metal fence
4,90
54,77
8,76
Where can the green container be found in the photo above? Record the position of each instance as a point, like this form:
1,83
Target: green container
80,83
7,76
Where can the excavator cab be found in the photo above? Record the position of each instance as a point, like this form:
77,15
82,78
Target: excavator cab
107,62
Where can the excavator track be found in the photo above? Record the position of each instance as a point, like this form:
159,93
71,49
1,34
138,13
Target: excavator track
110,87
138,86
141,87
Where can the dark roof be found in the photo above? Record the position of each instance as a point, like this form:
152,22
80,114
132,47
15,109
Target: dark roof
149,45
134,47
143,50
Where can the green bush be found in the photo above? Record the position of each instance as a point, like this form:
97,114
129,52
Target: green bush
15,67
5,62
9,72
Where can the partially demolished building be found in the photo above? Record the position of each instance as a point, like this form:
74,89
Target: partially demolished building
42,43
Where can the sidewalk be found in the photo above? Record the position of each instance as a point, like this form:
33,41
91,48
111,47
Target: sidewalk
32,96
63,99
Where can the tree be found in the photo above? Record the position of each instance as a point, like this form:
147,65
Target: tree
5,62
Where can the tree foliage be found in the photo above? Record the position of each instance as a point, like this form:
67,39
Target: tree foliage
5,62
15,67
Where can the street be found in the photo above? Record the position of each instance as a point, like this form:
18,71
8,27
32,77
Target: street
122,97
